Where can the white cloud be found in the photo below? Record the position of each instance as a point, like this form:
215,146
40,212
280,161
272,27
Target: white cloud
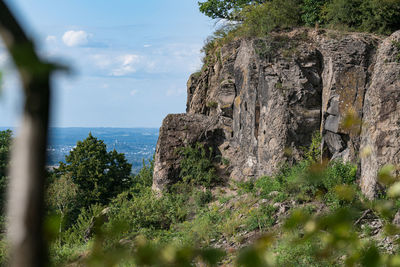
101,61
75,38
133,92
51,39
126,65
147,45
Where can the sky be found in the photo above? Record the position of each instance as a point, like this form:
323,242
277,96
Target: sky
129,59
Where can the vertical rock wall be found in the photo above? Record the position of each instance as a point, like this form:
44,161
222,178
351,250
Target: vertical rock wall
266,97
380,138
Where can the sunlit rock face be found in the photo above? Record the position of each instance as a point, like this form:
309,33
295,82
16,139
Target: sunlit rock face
380,137
262,99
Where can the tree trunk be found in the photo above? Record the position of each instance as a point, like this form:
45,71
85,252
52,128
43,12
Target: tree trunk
28,156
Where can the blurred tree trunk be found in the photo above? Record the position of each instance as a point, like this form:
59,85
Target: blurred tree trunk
28,157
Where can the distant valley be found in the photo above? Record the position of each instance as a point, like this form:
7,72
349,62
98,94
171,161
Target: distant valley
136,143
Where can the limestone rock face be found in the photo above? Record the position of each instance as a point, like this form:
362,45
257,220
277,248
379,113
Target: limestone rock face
257,102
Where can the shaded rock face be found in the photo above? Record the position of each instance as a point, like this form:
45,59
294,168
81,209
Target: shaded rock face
348,62
180,130
266,97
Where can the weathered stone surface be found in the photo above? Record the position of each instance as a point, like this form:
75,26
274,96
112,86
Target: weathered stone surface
180,130
381,130
272,98
347,60
265,98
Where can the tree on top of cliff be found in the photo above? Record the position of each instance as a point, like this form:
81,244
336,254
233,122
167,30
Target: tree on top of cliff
378,16
225,9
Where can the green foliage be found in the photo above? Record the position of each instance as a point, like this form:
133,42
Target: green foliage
99,175
4,252
197,166
292,253
396,44
381,16
260,18
275,14
212,104
339,181
261,218
144,178
311,12
343,13
61,196
5,142
148,214
184,222
245,186
313,152
306,180
71,244
203,197
225,9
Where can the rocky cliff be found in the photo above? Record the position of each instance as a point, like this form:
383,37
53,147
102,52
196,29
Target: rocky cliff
257,102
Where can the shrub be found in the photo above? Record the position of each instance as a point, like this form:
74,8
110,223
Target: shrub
313,152
245,186
311,12
212,104
292,253
144,179
197,166
202,197
267,184
259,20
381,16
261,218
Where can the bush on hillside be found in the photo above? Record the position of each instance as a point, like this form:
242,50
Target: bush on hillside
273,15
197,166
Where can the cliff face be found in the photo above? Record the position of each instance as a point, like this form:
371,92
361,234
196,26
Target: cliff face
257,102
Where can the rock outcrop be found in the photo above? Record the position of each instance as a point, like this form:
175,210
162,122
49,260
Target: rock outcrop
258,102
380,137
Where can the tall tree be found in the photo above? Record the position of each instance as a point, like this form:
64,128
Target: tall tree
99,175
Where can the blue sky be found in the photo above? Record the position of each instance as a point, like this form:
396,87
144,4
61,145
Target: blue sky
130,59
